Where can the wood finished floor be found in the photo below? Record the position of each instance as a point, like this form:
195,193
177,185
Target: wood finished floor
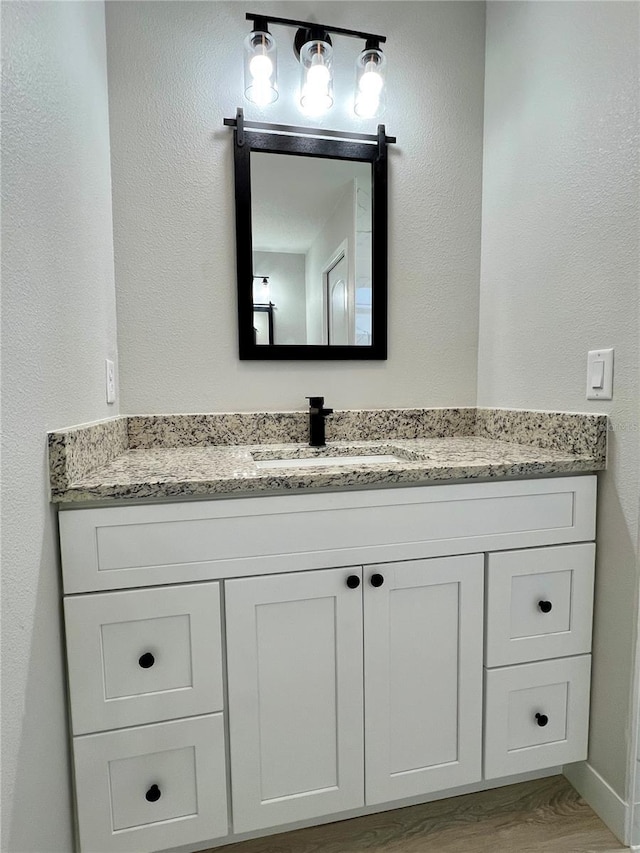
545,816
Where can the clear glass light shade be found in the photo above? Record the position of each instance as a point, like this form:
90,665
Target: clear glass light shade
260,68
370,80
316,84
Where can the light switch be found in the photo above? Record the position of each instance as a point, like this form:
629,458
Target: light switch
110,377
597,374
600,374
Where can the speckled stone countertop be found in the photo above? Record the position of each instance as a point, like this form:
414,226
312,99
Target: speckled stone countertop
172,456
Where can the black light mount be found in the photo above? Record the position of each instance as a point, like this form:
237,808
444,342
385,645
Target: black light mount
265,20
305,34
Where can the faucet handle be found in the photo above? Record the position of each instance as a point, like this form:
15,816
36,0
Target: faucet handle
315,402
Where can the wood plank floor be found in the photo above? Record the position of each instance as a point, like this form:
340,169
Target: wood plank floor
545,816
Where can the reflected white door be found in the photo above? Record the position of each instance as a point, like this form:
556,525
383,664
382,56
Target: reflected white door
338,302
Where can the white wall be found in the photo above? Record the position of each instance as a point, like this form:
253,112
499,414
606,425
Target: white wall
286,272
175,71
58,326
560,275
338,229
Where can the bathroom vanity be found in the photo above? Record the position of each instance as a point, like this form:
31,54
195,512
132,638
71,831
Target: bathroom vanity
244,664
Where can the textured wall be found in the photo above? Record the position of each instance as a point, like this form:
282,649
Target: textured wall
560,275
58,325
175,70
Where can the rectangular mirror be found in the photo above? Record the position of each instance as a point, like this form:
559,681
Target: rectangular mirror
311,234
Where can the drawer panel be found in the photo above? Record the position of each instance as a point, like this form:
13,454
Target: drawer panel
539,603
151,788
119,547
536,715
143,655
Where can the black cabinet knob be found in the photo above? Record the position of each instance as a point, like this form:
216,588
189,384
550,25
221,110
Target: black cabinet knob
146,660
153,794
545,606
377,580
542,720
353,581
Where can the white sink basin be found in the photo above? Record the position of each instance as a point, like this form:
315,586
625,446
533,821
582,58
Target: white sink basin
328,461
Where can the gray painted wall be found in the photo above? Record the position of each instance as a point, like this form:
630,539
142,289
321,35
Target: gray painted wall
58,326
560,260
175,71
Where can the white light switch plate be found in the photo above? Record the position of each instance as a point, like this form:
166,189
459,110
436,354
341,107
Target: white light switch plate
110,376
600,374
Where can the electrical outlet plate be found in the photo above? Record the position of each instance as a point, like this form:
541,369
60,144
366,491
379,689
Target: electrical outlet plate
600,374
110,376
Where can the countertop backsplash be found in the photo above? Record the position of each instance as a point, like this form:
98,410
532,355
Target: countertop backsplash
168,456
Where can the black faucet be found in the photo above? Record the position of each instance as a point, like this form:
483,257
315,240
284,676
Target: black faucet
317,414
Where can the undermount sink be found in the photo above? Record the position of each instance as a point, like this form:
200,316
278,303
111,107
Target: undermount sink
328,461
327,457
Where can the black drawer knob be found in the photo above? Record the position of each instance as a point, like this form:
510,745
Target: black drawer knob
545,606
353,581
542,720
153,794
377,580
146,660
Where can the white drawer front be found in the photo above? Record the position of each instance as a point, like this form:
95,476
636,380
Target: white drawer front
539,604
143,655
128,546
151,788
536,715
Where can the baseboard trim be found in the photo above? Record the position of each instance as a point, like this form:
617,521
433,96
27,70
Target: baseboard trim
609,807
634,841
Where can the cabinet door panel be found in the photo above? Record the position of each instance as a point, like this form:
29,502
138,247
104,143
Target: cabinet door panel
294,645
423,676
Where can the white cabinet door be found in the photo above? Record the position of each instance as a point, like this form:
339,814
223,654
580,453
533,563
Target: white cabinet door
423,676
294,646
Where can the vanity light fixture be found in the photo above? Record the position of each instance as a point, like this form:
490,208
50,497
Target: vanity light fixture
313,48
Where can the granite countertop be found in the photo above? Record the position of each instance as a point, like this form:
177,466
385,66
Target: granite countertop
169,456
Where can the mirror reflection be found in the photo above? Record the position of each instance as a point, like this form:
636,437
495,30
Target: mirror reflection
311,223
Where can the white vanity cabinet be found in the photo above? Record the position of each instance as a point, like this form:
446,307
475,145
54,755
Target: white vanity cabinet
237,665
313,699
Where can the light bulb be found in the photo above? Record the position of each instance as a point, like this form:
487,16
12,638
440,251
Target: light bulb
261,67
261,93
371,82
314,104
367,105
318,76
316,95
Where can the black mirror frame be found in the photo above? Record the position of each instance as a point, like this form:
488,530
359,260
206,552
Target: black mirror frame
280,139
